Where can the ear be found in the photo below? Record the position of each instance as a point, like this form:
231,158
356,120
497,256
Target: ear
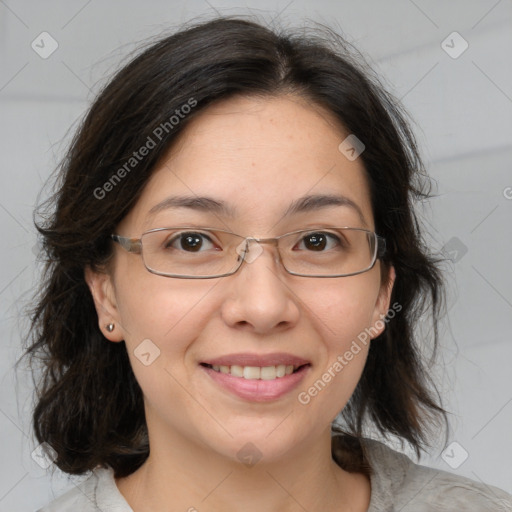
102,290
382,304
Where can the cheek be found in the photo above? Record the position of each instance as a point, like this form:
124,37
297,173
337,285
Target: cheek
342,312
344,308
152,304
169,312
162,318
348,315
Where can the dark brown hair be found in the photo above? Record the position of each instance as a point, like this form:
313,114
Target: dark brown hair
89,407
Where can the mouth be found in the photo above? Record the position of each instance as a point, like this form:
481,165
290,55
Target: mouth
257,378
257,372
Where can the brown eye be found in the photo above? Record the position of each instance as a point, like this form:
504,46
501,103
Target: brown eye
315,242
190,242
319,242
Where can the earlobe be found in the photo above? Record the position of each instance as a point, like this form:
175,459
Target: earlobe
102,291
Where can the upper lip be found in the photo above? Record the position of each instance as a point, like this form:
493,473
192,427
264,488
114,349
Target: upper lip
276,359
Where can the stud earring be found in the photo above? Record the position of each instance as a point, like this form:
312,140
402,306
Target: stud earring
110,327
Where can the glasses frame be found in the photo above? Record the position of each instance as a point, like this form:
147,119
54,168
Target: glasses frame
135,246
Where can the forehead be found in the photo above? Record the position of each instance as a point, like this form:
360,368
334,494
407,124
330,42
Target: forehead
257,155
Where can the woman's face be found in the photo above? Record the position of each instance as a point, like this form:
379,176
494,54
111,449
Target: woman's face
257,157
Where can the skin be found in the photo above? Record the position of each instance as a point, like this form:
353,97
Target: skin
256,154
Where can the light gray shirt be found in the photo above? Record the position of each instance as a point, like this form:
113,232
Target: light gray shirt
397,485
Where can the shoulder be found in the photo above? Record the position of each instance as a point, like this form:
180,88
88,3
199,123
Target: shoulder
400,484
98,493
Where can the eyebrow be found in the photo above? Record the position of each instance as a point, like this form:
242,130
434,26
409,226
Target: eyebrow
202,204
301,205
319,201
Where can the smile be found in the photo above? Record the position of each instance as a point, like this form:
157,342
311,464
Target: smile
256,383
256,372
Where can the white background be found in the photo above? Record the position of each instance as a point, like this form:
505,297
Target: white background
463,113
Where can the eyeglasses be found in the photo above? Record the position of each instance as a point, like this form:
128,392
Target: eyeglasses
205,253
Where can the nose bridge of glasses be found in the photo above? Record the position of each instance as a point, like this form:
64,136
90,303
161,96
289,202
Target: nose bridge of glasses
270,241
251,247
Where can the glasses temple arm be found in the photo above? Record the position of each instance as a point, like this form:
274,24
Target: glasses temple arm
381,246
130,244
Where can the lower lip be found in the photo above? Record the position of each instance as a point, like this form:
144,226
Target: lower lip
257,390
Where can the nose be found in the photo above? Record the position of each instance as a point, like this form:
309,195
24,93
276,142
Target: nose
259,297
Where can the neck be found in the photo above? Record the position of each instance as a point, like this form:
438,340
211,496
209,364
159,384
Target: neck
182,475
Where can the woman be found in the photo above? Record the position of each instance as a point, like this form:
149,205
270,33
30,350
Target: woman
233,262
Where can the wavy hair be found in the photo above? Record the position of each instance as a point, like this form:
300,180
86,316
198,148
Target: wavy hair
89,407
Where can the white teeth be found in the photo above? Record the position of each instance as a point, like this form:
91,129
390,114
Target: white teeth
237,371
268,373
256,372
252,372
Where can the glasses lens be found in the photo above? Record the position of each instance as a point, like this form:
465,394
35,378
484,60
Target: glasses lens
329,252
190,252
